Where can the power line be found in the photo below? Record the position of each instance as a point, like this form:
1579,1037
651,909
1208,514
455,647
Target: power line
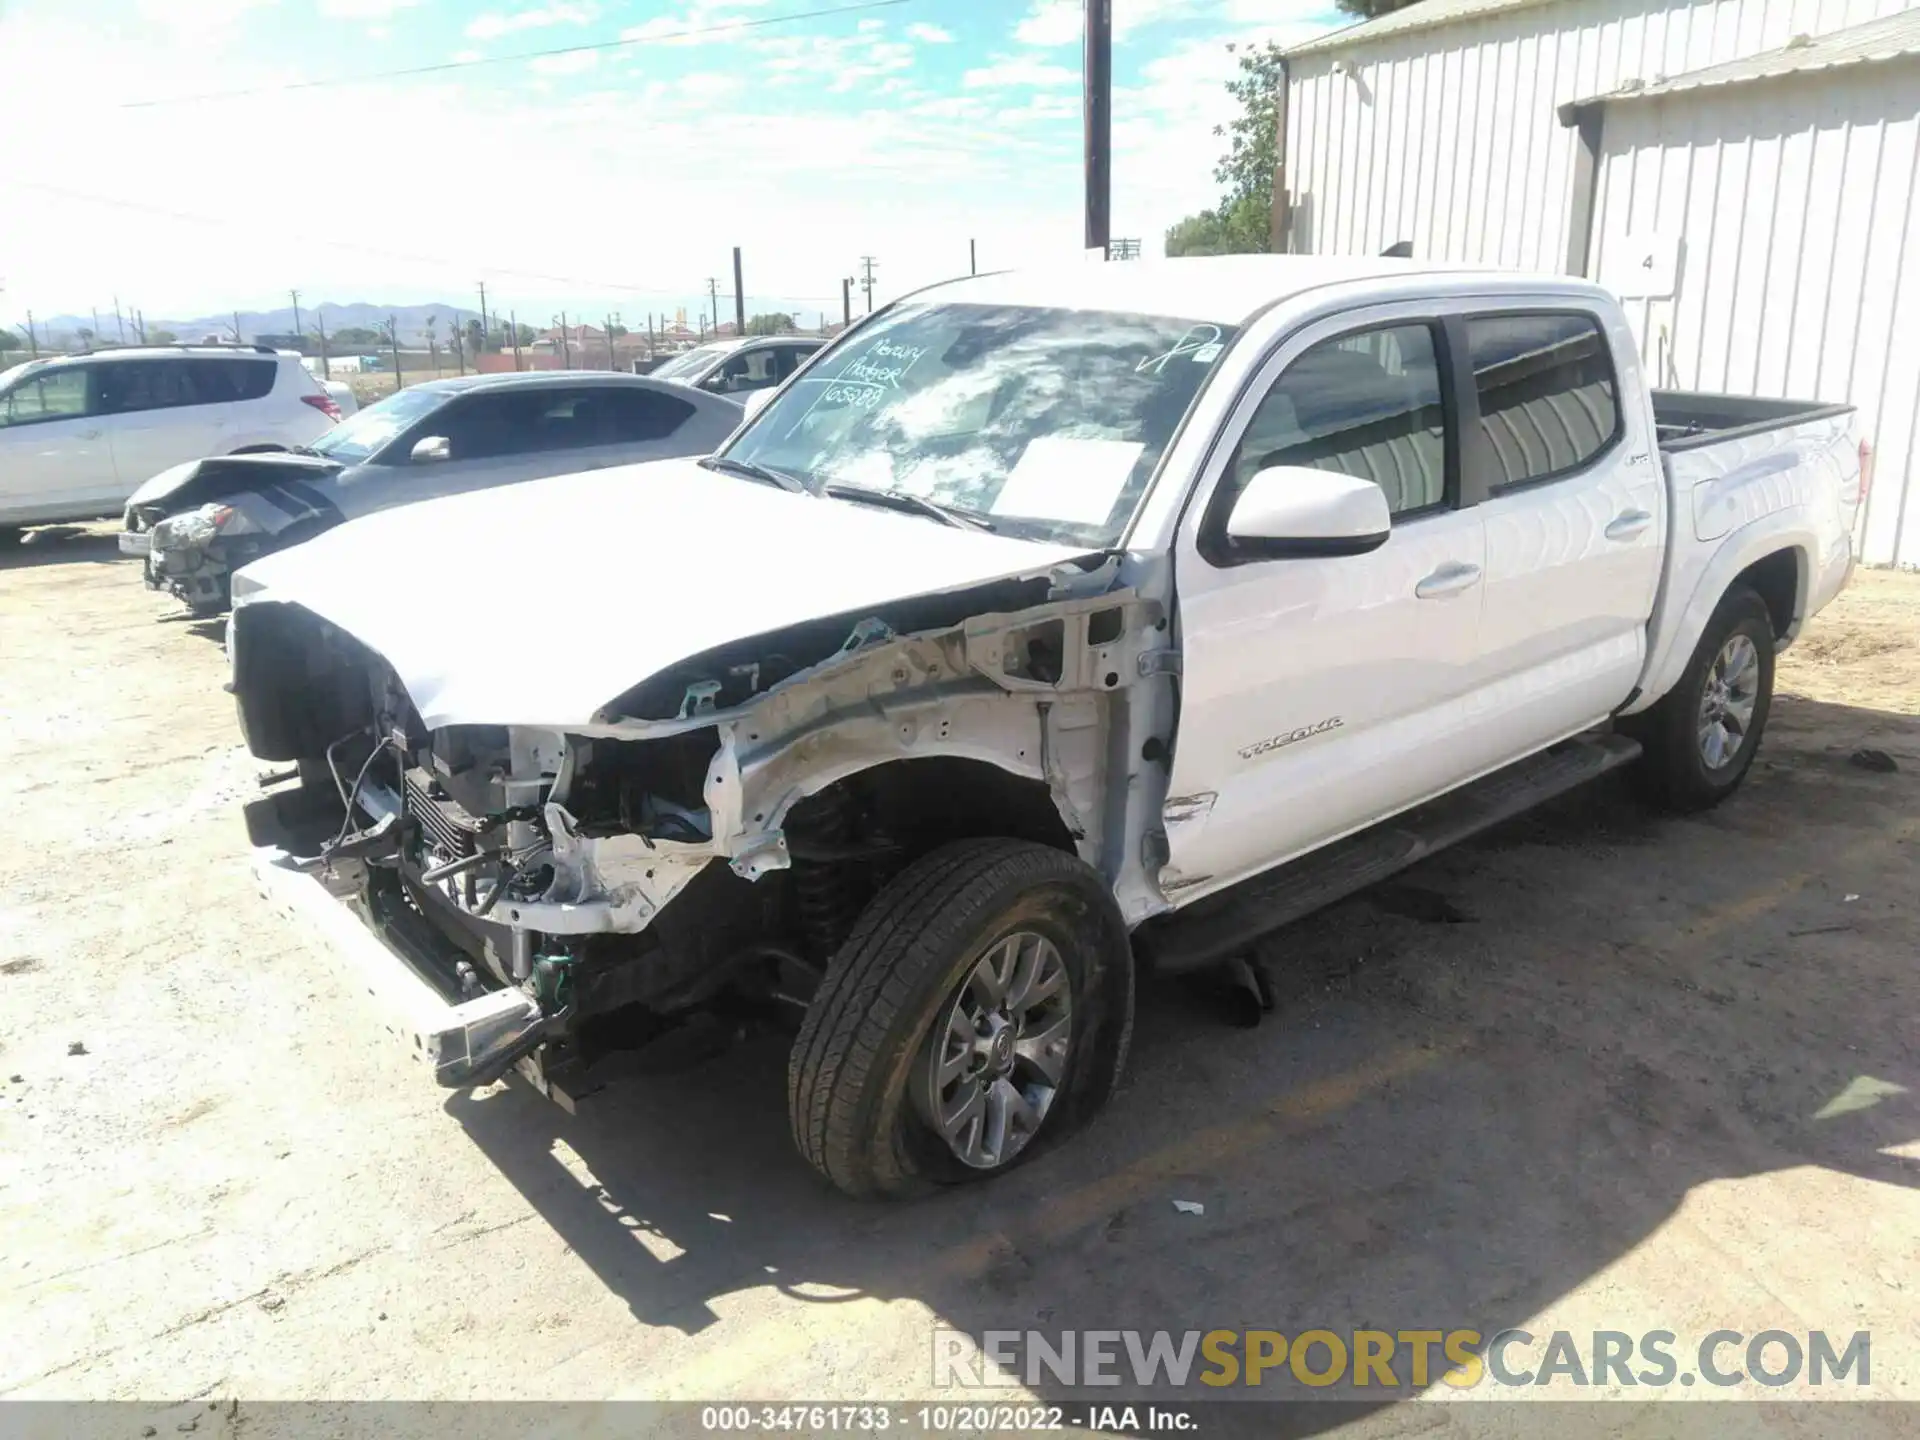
514,58
226,222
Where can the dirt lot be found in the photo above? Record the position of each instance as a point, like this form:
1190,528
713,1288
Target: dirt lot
1597,1071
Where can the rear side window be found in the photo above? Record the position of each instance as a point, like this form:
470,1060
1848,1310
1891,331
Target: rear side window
635,416
1367,405
215,381
1548,403
135,385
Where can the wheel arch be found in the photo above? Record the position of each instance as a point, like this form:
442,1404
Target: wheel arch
1775,561
930,801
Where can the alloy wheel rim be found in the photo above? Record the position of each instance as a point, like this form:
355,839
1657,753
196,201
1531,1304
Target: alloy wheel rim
1727,702
996,1063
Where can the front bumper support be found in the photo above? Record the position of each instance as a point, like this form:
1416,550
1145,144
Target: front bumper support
468,1042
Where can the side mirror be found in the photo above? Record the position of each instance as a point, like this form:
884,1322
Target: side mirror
434,447
756,401
1295,510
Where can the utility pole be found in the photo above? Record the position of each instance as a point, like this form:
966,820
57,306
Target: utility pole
483,320
236,328
513,334
650,350
119,324
610,320
140,325
1098,82
459,344
713,300
393,338
739,297
299,335
846,302
33,341
320,324
866,279
566,351
973,258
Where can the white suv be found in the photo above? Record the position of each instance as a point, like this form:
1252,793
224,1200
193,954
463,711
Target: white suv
79,433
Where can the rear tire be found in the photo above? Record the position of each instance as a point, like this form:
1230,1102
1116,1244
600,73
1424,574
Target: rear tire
864,1081
1702,735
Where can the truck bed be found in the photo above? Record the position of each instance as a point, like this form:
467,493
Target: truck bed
1684,419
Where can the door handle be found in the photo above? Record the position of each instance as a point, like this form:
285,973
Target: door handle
1450,579
1628,524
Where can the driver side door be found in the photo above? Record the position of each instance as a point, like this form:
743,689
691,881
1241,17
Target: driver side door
1321,693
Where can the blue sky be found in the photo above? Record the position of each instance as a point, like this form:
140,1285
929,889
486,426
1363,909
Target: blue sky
610,180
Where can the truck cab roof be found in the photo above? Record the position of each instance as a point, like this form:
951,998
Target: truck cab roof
1225,289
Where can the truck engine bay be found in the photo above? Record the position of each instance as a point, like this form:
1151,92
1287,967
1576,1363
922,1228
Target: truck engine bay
710,838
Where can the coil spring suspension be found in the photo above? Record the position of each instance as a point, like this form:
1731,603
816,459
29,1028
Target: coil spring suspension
827,896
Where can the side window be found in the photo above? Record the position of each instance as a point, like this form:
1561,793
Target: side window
635,416
755,370
60,395
223,381
1547,398
137,385
484,427
1368,405
791,358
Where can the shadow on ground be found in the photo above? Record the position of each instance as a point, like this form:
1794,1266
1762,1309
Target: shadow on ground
61,545
1489,1082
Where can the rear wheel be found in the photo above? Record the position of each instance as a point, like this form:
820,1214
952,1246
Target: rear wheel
979,1013
1701,737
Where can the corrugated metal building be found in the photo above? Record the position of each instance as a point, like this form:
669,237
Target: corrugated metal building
1746,173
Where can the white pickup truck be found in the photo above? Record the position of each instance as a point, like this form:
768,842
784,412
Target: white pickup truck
1043,625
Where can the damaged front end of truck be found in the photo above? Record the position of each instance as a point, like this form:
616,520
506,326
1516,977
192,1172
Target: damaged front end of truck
709,837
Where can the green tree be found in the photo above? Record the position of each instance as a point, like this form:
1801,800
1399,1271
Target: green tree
475,338
1241,222
772,323
162,337
616,330
10,341
357,335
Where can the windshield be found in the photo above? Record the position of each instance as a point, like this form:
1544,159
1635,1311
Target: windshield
691,363
365,431
1045,422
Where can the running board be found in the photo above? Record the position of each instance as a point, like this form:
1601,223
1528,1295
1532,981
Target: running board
1223,925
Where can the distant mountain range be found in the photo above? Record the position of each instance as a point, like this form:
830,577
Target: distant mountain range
411,322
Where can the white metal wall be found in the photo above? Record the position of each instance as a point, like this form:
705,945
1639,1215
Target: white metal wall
1797,201
1449,136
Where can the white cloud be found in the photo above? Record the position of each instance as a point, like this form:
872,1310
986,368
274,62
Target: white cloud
379,32
357,9
466,57
1018,70
929,34
1051,22
871,26
576,62
492,27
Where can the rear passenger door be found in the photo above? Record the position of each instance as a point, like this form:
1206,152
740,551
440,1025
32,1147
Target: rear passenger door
1572,501
1319,694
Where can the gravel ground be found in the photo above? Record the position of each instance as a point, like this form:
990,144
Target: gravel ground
1598,1070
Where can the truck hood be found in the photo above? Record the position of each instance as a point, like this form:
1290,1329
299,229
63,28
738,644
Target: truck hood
200,482
542,603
